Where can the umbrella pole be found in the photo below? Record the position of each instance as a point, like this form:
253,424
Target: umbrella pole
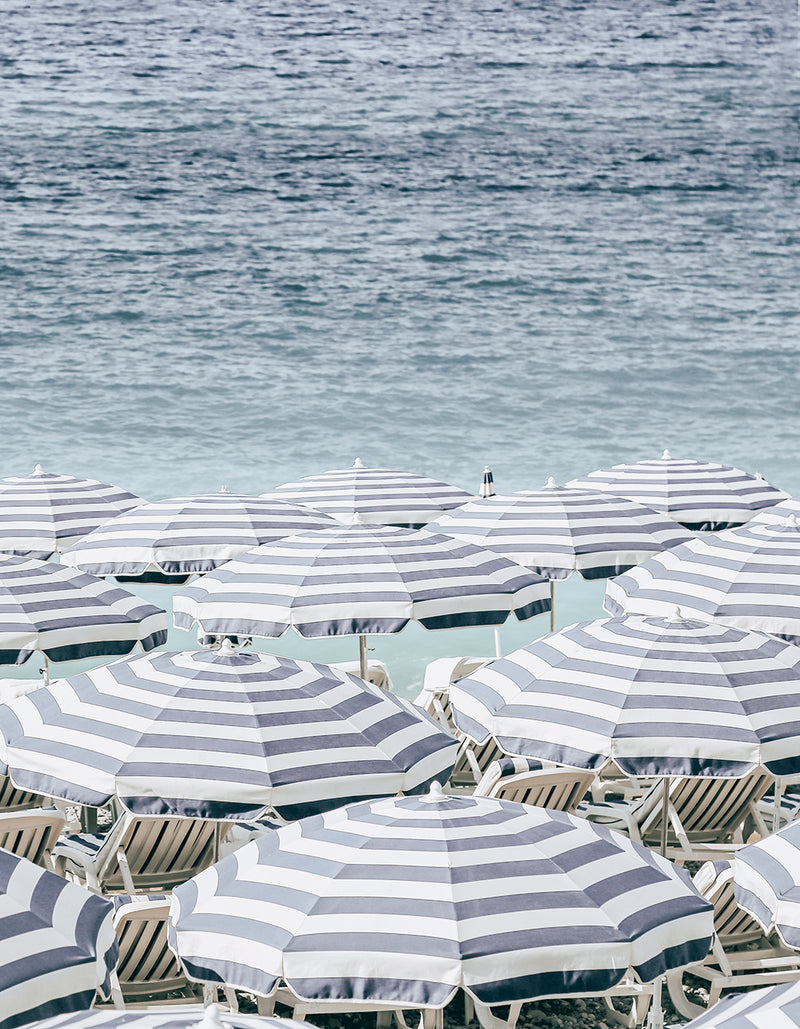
655,1020
498,652
552,605
362,656
664,815
46,670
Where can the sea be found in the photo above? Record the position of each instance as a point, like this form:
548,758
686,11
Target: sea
245,241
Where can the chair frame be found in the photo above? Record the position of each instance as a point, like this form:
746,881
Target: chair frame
560,789
32,833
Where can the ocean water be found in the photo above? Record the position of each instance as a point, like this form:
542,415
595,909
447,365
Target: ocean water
247,241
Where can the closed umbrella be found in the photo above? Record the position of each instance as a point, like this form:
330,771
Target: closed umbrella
747,577
358,580
67,615
376,496
556,531
698,494
767,882
170,540
58,943
220,734
43,513
406,900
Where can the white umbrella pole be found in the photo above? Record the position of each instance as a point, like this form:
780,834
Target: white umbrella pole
362,656
498,652
46,670
655,1020
552,605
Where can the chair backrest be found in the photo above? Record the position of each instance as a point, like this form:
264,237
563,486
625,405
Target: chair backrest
558,789
12,799
473,761
31,834
435,695
147,970
733,925
154,853
708,808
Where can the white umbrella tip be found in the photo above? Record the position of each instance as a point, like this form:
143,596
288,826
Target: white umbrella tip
487,470
210,1019
224,489
666,456
435,794
677,615
551,483
38,470
226,648
358,463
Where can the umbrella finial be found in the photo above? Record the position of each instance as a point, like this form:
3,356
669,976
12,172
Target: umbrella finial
791,520
435,794
38,470
677,615
210,1019
666,456
226,648
358,463
551,483
224,489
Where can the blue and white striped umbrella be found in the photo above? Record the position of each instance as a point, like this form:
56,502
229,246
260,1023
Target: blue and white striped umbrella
356,580
67,615
766,881
556,530
656,696
170,1016
169,540
780,512
777,1007
699,495
748,577
407,900
375,496
57,943
220,734
43,513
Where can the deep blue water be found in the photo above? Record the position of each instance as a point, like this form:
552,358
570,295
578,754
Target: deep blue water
247,241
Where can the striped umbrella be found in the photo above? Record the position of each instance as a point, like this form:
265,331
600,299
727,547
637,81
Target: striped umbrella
377,496
748,577
406,900
656,696
697,494
357,580
766,878
557,531
777,1007
172,1016
169,540
780,512
67,615
58,943
43,513
220,734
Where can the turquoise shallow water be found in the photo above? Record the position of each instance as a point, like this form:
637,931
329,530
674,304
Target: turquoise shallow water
244,243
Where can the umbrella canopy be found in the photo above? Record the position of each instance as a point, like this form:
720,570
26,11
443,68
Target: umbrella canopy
656,696
767,882
43,513
220,734
780,512
377,496
169,540
172,1016
360,579
59,944
777,1007
405,900
67,615
556,530
748,577
699,495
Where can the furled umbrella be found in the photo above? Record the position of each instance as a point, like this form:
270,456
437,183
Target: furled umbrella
43,513
766,878
656,696
376,496
68,615
58,943
167,1016
777,1007
556,531
698,494
220,734
168,541
748,577
358,580
405,900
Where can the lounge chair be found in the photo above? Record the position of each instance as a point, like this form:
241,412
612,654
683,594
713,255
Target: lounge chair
435,695
741,955
12,799
706,816
32,834
141,853
525,781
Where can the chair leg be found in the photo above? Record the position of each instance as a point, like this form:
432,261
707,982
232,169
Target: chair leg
265,1005
677,994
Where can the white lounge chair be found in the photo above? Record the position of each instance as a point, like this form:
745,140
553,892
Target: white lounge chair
520,780
32,834
13,799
